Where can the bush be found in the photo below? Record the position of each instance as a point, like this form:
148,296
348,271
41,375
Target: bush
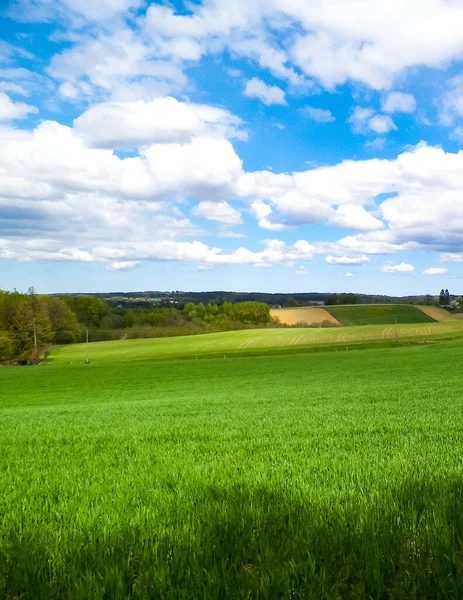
65,337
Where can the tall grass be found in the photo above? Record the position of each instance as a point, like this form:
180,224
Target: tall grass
310,476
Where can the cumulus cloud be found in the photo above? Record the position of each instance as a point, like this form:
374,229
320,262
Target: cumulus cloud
400,268
398,102
123,265
320,115
299,42
347,260
353,216
12,111
364,120
435,271
55,185
221,212
128,124
263,213
451,257
268,94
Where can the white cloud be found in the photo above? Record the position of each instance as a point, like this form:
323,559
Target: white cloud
319,115
268,94
221,212
400,268
455,257
54,186
302,272
381,124
263,213
119,65
398,102
74,13
452,102
364,120
347,260
12,111
128,124
123,265
300,42
353,216
376,144
435,271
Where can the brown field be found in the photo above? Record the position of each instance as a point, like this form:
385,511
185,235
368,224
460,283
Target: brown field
308,315
458,316
438,314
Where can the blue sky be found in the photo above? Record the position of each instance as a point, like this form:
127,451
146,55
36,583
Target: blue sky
277,145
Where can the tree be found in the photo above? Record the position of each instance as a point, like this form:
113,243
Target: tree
442,298
292,302
429,300
32,328
63,321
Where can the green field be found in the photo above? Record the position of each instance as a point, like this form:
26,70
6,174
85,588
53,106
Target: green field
378,314
248,342
334,475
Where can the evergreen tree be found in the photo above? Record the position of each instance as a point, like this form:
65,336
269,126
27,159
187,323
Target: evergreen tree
32,327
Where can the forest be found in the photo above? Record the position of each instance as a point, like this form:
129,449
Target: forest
31,323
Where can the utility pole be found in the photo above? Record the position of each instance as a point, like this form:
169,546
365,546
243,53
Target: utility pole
86,348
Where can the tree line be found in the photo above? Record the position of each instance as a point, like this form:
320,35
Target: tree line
30,323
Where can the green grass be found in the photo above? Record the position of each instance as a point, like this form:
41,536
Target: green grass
334,475
249,342
378,314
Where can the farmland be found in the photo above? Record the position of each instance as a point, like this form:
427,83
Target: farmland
378,314
333,475
309,316
249,342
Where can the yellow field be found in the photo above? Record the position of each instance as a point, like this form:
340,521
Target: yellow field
307,315
438,314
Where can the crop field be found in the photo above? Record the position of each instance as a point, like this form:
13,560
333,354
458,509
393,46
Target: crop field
379,314
436,313
307,315
332,476
248,342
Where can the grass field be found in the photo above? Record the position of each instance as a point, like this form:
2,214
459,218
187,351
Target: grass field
378,314
248,342
308,315
332,476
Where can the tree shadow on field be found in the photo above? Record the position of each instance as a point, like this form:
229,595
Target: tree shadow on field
244,542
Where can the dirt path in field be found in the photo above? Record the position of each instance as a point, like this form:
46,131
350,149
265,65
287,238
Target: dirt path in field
308,315
436,313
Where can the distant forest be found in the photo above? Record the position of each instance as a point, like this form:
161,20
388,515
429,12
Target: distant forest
31,323
142,300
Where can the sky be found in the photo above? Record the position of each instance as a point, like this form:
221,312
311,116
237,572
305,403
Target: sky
247,145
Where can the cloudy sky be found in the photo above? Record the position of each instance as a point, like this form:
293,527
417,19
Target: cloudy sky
272,145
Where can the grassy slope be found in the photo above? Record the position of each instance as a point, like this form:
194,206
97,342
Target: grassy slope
316,476
378,314
245,342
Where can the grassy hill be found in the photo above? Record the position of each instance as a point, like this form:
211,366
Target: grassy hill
248,342
333,476
378,314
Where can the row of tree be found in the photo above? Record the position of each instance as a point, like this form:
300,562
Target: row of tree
29,322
